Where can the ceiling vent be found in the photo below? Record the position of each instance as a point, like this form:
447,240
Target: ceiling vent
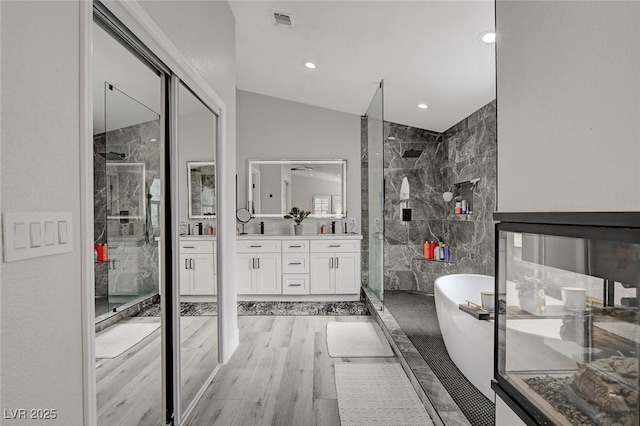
282,18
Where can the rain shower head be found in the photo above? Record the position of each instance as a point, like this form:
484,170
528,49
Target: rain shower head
412,153
112,156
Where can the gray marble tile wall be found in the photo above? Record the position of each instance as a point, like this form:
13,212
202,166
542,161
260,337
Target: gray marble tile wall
364,198
471,153
135,142
403,240
463,152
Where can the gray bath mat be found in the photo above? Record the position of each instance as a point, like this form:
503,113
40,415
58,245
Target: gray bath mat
356,339
119,338
377,394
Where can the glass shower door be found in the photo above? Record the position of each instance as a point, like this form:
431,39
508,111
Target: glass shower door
132,174
375,136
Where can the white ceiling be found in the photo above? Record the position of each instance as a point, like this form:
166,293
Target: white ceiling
114,64
138,94
426,52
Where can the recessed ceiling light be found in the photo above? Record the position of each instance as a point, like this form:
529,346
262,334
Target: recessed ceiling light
153,140
488,37
310,65
423,106
391,138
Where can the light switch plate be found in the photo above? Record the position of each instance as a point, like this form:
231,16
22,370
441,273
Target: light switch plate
35,234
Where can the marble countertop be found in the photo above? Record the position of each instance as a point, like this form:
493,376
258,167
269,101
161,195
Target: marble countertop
301,237
198,237
276,237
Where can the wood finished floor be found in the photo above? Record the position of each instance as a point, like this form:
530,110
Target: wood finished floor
281,374
129,386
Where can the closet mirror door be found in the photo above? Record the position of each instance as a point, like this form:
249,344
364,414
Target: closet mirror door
197,129
128,144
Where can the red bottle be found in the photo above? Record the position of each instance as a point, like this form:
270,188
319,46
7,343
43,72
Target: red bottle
432,248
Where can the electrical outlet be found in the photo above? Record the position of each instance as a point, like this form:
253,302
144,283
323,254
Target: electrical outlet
352,221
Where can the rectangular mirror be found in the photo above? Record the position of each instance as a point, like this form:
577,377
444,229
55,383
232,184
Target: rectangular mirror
319,186
202,189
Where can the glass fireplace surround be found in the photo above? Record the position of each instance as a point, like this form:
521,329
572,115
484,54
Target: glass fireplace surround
567,323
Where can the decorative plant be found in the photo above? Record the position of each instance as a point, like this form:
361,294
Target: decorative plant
297,215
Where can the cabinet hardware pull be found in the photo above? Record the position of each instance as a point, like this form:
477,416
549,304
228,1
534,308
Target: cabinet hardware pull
337,263
253,263
334,245
295,285
295,246
186,264
188,246
191,263
331,263
255,246
295,263
258,263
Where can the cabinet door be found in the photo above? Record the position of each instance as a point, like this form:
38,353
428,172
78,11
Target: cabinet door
202,278
244,271
185,275
322,273
267,273
347,270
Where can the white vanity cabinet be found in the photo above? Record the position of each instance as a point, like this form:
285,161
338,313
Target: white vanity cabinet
318,268
335,267
197,267
295,267
258,267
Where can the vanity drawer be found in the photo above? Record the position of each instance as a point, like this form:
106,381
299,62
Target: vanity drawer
295,284
295,246
335,246
293,263
196,247
258,246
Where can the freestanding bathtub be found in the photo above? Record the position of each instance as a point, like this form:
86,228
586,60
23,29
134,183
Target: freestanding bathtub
468,340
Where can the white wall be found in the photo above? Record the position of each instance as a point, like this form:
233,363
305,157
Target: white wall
568,98
568,106
40,299
41,354
204,32
274,129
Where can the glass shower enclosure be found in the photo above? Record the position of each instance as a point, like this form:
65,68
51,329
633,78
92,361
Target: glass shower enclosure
127,202
375,156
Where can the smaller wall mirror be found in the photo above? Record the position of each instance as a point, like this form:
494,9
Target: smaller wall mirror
319,186
202,189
